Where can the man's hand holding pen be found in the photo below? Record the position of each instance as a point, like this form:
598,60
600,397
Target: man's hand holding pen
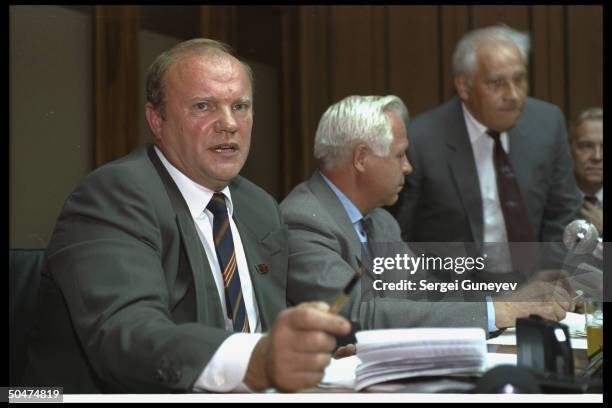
348,349
295,352
344,296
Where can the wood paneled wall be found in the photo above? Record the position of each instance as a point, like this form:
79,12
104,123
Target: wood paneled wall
407,51
324,53
116,82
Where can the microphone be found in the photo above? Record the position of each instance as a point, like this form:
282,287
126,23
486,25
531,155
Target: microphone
581,237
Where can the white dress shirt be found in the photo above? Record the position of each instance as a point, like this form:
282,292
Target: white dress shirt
227,368
495,237
599,196
494,225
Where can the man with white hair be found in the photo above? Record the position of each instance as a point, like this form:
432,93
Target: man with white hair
335,216
491,165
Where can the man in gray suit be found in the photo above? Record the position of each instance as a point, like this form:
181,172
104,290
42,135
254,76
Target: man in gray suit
453,195
159,258
586,145
361,146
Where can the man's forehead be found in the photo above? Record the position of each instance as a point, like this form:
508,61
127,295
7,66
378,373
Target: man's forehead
590,128
492,53
216,64
205,78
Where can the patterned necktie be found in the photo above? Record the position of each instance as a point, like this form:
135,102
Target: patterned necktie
518,227
224,246
510,199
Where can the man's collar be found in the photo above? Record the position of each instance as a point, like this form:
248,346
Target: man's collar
351,209
476,130
474,127
598,194
196,195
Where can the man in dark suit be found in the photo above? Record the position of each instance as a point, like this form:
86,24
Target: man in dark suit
165,267
586,145
491,166
336,217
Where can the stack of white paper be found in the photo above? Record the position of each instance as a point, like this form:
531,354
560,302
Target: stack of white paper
392,354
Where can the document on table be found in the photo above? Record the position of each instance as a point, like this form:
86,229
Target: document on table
574,322
341,373
391,354
405,353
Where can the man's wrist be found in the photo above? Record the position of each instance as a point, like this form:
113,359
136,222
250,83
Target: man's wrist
501,314
256,377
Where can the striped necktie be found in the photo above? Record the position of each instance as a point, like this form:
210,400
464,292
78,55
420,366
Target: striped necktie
224,246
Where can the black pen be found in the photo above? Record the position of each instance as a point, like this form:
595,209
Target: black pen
346,292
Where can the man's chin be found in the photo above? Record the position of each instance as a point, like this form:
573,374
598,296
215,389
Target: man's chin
595,180
509,121
392,200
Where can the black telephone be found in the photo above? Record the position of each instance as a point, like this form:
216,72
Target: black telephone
544,349
544,346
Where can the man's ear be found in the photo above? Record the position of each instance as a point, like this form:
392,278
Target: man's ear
361,154
154,120
462,86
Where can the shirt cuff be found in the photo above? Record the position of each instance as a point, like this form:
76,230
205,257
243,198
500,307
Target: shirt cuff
491,315
226,369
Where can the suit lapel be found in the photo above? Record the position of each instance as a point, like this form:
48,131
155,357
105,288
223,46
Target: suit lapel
254,257
334,207
463,170
208,304
257,252
330,203
521,150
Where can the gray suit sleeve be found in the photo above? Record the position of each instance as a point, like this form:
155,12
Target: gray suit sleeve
318,270
106,256
563,198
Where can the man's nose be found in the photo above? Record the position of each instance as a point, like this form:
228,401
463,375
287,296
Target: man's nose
598,156
406,166
512,91
226,121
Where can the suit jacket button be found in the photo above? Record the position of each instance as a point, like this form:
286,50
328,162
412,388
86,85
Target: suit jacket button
161,375
175,376
262,268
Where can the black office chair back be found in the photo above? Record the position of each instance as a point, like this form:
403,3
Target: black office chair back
25,269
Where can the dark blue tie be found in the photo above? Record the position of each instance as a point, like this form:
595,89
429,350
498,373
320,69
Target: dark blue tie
224,246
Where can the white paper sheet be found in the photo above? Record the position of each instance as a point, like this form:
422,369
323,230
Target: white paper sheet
509,339
340,373
495,359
